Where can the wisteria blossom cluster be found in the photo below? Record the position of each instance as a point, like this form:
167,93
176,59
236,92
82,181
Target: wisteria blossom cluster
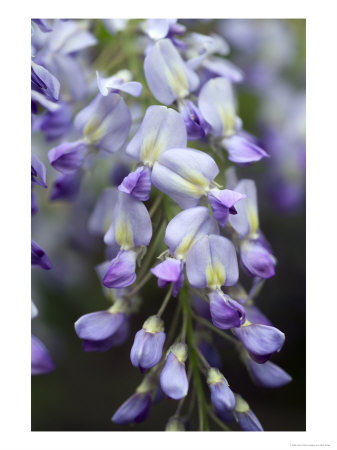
168,125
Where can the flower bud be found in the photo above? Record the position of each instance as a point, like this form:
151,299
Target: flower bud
173,378
226,313
247,419
148,345
221,395
175,424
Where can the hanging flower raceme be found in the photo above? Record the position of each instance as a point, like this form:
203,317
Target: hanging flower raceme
168,76
131,229
217,104
256,256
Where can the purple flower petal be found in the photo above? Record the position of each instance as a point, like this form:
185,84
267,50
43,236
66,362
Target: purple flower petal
45,82
226,313
38,172
222,203
184,175
170,271
147,349
39,257
267,375
222,396
117,83
256,259
135,409
68,157
246,221
137,184
118,338
173,378
243,151
261,341
186,228
105,122
41,361
167,75
196,125
66,187
161,129
248,421
101,217
131,224
121,271
212,263
99,325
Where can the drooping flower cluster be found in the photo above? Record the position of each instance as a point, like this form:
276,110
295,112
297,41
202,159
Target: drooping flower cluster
170,192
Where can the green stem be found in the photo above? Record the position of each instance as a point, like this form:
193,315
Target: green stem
218,421
202,407
155,206
165,301
214,329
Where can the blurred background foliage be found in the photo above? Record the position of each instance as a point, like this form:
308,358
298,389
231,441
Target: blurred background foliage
85,389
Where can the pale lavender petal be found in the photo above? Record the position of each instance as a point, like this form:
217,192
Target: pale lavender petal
256,259
45,82
184,175
43,25
99,325
186,228
67,157
167,75
261,341
173,378
147,349
156,28
243,151
170,271
246,221
137,184
218,106
101,217
121,271
224,68
38,172
248,421
212,263
268,375
67,37
161,129
222,396
41,361
131,225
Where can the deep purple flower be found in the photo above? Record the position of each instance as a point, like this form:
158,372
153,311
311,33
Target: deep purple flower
44,82
148,345
121,271
66,187
173,378
41,361
221,394
226,313
38,172
55,124
196,125
67,157
212,263
39,257
137,184
261,341
222,203
135,409
267,375
170,271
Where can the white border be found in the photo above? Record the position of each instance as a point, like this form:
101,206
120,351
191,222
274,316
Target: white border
321,224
